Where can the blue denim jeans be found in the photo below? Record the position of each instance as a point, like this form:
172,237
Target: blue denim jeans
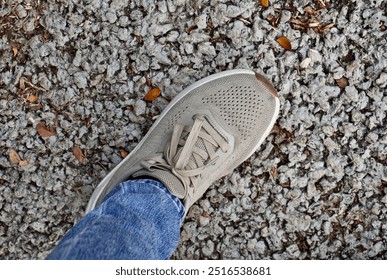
139,219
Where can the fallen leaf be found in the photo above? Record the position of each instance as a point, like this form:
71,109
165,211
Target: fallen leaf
14,156
285,43
265,3
342,82
32,98
43,131
15,51
152,94
78,154
123,153
23,163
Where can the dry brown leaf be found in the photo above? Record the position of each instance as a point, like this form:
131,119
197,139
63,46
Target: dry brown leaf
285,43
43,131
123,153
152,94
32,98
342,82
23,163
15,51
14,156
265,3
78,154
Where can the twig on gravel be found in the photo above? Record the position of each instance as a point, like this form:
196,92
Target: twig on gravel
244,20
24,81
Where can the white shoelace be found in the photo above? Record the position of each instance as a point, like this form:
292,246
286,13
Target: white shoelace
183,157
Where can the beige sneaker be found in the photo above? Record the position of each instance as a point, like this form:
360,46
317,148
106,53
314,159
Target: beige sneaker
202,135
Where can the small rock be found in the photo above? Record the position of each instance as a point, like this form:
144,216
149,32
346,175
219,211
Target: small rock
376,249
139,107
293,251
204,221
38,226
188,48
233,11
315,55
201,21
80,79
20,11
111,17
29,25
382,80
208,248
207,49
261,247
352,93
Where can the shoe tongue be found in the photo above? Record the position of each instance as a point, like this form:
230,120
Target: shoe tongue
172,183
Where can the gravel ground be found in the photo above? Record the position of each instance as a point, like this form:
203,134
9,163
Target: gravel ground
73,76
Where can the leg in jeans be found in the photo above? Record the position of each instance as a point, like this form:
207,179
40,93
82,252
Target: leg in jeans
201,136
138,219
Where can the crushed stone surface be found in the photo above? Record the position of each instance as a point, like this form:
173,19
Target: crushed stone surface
316,188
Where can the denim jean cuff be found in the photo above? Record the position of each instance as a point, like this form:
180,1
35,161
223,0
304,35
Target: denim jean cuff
177,202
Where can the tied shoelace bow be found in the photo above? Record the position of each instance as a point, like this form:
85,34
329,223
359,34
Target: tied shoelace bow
183,157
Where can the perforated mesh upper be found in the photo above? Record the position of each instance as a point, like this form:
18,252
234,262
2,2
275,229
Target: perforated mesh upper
243,103
177,116
240,106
